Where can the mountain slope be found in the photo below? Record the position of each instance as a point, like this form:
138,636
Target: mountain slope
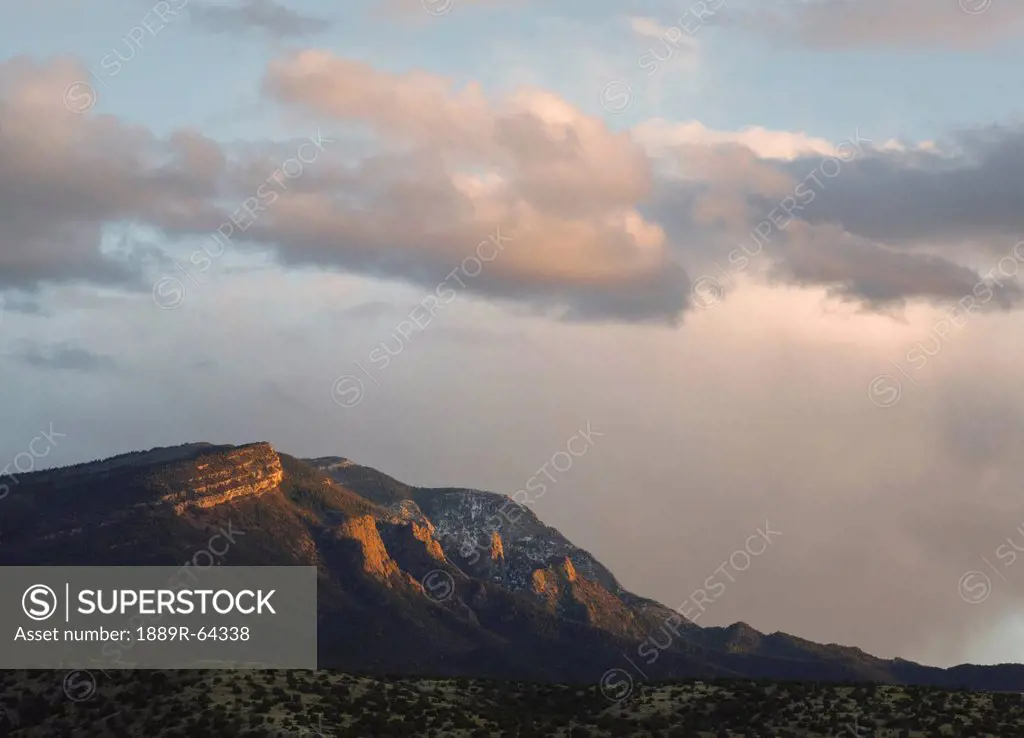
492,538
414,580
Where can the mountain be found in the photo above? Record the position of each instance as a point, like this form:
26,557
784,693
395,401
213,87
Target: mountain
415,581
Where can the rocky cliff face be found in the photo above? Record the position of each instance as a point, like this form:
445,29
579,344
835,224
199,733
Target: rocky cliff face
214,479
492,539
115,494
376,560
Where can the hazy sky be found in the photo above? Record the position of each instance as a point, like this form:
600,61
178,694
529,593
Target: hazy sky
767,250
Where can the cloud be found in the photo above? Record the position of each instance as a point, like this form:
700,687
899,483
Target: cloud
962,189
65,177
826,25
661,136
600,224
372,310
425,9
879,224
668,194
263,15
451,165
862,270
63,356
676,45
447,173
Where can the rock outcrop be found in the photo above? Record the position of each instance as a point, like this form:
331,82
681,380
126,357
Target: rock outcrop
376,561
247,471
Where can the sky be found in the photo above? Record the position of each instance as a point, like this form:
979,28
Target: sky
765,255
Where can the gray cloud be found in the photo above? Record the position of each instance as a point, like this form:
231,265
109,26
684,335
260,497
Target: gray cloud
62,356
25,304
268,16
830,24
862,270
969,189
426,9
371,310
883,227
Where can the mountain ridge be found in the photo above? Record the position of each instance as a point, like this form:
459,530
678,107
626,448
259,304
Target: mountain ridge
524,602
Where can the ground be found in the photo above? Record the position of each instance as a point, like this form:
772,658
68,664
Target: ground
279,704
